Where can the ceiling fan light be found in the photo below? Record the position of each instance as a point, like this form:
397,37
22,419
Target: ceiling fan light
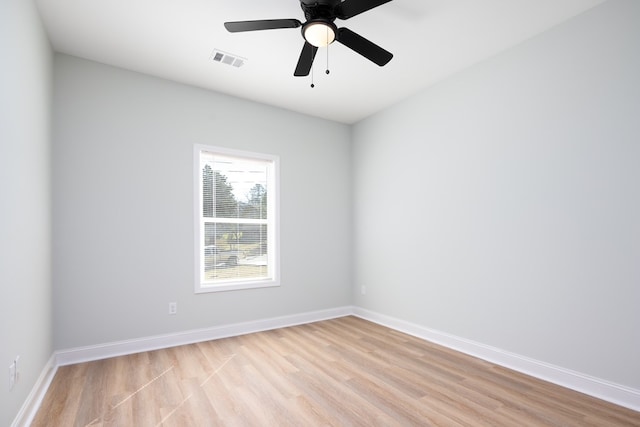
319,34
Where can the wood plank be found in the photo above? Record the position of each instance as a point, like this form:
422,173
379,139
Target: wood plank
340,372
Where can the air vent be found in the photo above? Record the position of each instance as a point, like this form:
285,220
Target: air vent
227,58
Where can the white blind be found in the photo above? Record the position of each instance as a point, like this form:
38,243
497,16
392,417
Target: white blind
235,200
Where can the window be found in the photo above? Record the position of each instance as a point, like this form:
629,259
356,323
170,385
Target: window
236,212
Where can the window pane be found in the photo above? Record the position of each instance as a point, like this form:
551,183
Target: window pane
234,187
235,251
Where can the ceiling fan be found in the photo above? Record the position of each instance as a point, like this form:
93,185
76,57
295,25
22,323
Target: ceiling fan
319,30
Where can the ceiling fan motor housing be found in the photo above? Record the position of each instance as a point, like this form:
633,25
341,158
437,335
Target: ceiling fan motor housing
319,9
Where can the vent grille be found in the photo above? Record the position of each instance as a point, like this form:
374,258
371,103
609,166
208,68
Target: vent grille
227,58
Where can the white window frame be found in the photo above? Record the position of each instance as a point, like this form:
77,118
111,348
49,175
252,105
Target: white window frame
273,222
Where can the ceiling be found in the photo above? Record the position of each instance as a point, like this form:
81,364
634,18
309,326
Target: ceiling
175,40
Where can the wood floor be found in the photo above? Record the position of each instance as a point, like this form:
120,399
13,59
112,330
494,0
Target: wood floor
342,372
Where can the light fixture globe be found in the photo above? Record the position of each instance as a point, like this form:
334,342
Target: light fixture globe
319,33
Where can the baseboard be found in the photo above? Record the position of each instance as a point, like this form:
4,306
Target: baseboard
30,406
120,348
601,389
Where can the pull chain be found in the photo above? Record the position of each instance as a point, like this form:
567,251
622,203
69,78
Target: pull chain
327,71
312,85
327,52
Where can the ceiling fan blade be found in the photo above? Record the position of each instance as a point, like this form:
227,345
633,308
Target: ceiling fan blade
263,24
364,47
350,8
305,61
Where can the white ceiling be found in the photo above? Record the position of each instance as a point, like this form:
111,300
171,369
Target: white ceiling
174,39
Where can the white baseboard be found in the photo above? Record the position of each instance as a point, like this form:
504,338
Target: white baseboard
601,389
120,348
30,406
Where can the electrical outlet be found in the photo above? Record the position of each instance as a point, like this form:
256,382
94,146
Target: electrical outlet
15,362
12,375
173,308
363,290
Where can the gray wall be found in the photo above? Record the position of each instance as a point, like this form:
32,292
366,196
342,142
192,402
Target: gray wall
503,205
123,205
25,231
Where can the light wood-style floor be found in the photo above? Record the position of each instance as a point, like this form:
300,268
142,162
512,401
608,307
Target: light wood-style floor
341,372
